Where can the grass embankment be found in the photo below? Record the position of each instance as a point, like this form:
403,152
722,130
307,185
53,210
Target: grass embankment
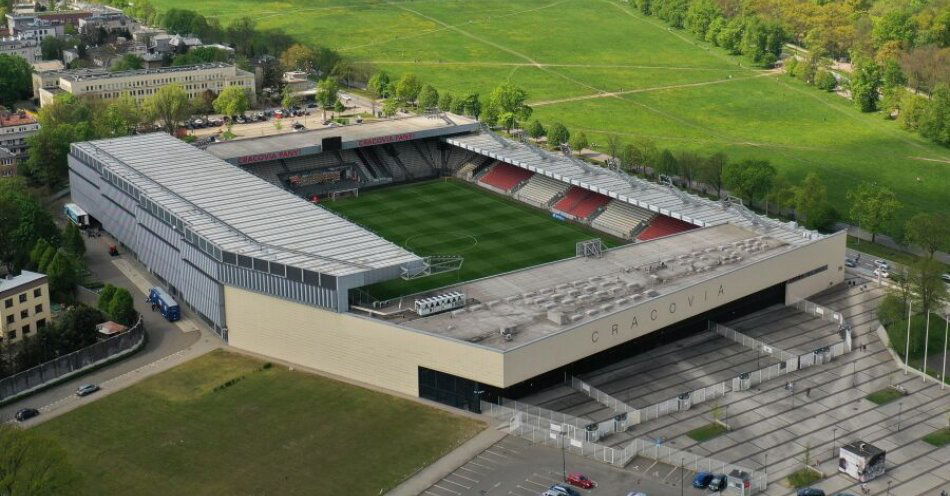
707,432
228,424
884,396
939,438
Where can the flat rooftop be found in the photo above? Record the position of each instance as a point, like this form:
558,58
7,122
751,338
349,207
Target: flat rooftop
584,289
239,212
356,135
25,277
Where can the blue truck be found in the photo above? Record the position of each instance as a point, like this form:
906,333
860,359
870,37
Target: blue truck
164,303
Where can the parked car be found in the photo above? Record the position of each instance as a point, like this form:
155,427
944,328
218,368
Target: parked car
299,127
702,480
882,273
810,491
580,480
564,490
882,264
946,278
241,120
636,494
25,414
717,483
86,389
850,262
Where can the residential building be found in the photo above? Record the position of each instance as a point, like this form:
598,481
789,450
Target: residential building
8,163
143,83
28,49
24,306
33,27
109,21
49,80
15,128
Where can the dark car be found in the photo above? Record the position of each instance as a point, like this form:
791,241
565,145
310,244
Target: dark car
26,414
564,489
702,480
717,483
810,491
850,262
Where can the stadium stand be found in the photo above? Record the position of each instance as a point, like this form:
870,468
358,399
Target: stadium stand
664,226
378,160
505,177
622,219
267,171
375,170
580,203
389,151
455,158
408,155
312,162
540,191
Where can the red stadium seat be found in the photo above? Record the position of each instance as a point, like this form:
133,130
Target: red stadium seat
664,226
505,176
580,203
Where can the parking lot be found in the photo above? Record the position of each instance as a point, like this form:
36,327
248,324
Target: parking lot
516,467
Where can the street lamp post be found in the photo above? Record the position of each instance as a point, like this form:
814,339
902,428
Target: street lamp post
682,470
854,377
946,327
900,408
907,347
563,455
926,342
834,441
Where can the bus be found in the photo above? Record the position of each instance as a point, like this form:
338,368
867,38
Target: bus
76,215
164,303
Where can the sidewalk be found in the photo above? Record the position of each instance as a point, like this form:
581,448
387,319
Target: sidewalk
444,466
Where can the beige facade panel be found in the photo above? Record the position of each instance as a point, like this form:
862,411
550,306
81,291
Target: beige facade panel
23,310
350,346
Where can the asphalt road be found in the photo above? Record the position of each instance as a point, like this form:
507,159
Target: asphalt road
165,341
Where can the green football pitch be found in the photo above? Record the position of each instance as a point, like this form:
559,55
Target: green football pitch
448,217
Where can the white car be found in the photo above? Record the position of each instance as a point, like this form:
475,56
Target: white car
881,264
882,273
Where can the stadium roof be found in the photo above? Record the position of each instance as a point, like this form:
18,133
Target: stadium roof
373,133
655,197
584,289
241,213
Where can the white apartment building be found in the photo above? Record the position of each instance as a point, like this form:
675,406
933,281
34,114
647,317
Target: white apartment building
15,128
28,49
143,83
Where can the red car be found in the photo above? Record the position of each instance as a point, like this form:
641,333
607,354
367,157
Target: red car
580,480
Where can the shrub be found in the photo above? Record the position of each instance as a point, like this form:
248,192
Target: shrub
825,80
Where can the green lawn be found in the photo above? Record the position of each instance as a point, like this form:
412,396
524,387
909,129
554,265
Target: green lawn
803,478
884,396
558,49
938,438
447,217
272,431
707,432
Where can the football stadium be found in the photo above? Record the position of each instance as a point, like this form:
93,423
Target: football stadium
430,256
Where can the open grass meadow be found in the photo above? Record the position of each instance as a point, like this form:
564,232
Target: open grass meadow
272,431
448,217
683,94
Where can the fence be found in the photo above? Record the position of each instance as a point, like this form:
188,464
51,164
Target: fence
749,342
71,363
601,397
535,425
684,401
823,313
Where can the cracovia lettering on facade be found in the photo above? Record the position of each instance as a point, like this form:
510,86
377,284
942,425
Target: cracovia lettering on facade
381,140
261,157
653,313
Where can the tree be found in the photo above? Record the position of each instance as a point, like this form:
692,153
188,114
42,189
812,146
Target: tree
445,102
241,32
183,21
104,301
63,276
892,75
408,87
72,240
507,99
127,62
16,80
629,156
872,206
201,55
473,105
327,94
338,107
750,179
121,117
36,254
299,58
33,464
896,25
381,85
232,100
47,257
289,98
811,203
613,145
700,15
711,170
74,330
169,106
825,80
930,231
23,222
688,166
390,107
579,142
535,129
203,103
865,84
927,285
428,97
558,135
52,47
935,116
666,164
121,307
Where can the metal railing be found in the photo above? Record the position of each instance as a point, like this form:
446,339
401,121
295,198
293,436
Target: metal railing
601,397
750,342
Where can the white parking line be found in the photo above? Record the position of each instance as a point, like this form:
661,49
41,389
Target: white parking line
549,478
497,454
501,446
456,483
529,491
529,481
460,476
463,467
486,460
483,453
445,489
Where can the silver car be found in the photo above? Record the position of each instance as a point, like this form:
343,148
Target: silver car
86,389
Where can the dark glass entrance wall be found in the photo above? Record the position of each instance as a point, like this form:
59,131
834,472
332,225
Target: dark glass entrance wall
464,393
